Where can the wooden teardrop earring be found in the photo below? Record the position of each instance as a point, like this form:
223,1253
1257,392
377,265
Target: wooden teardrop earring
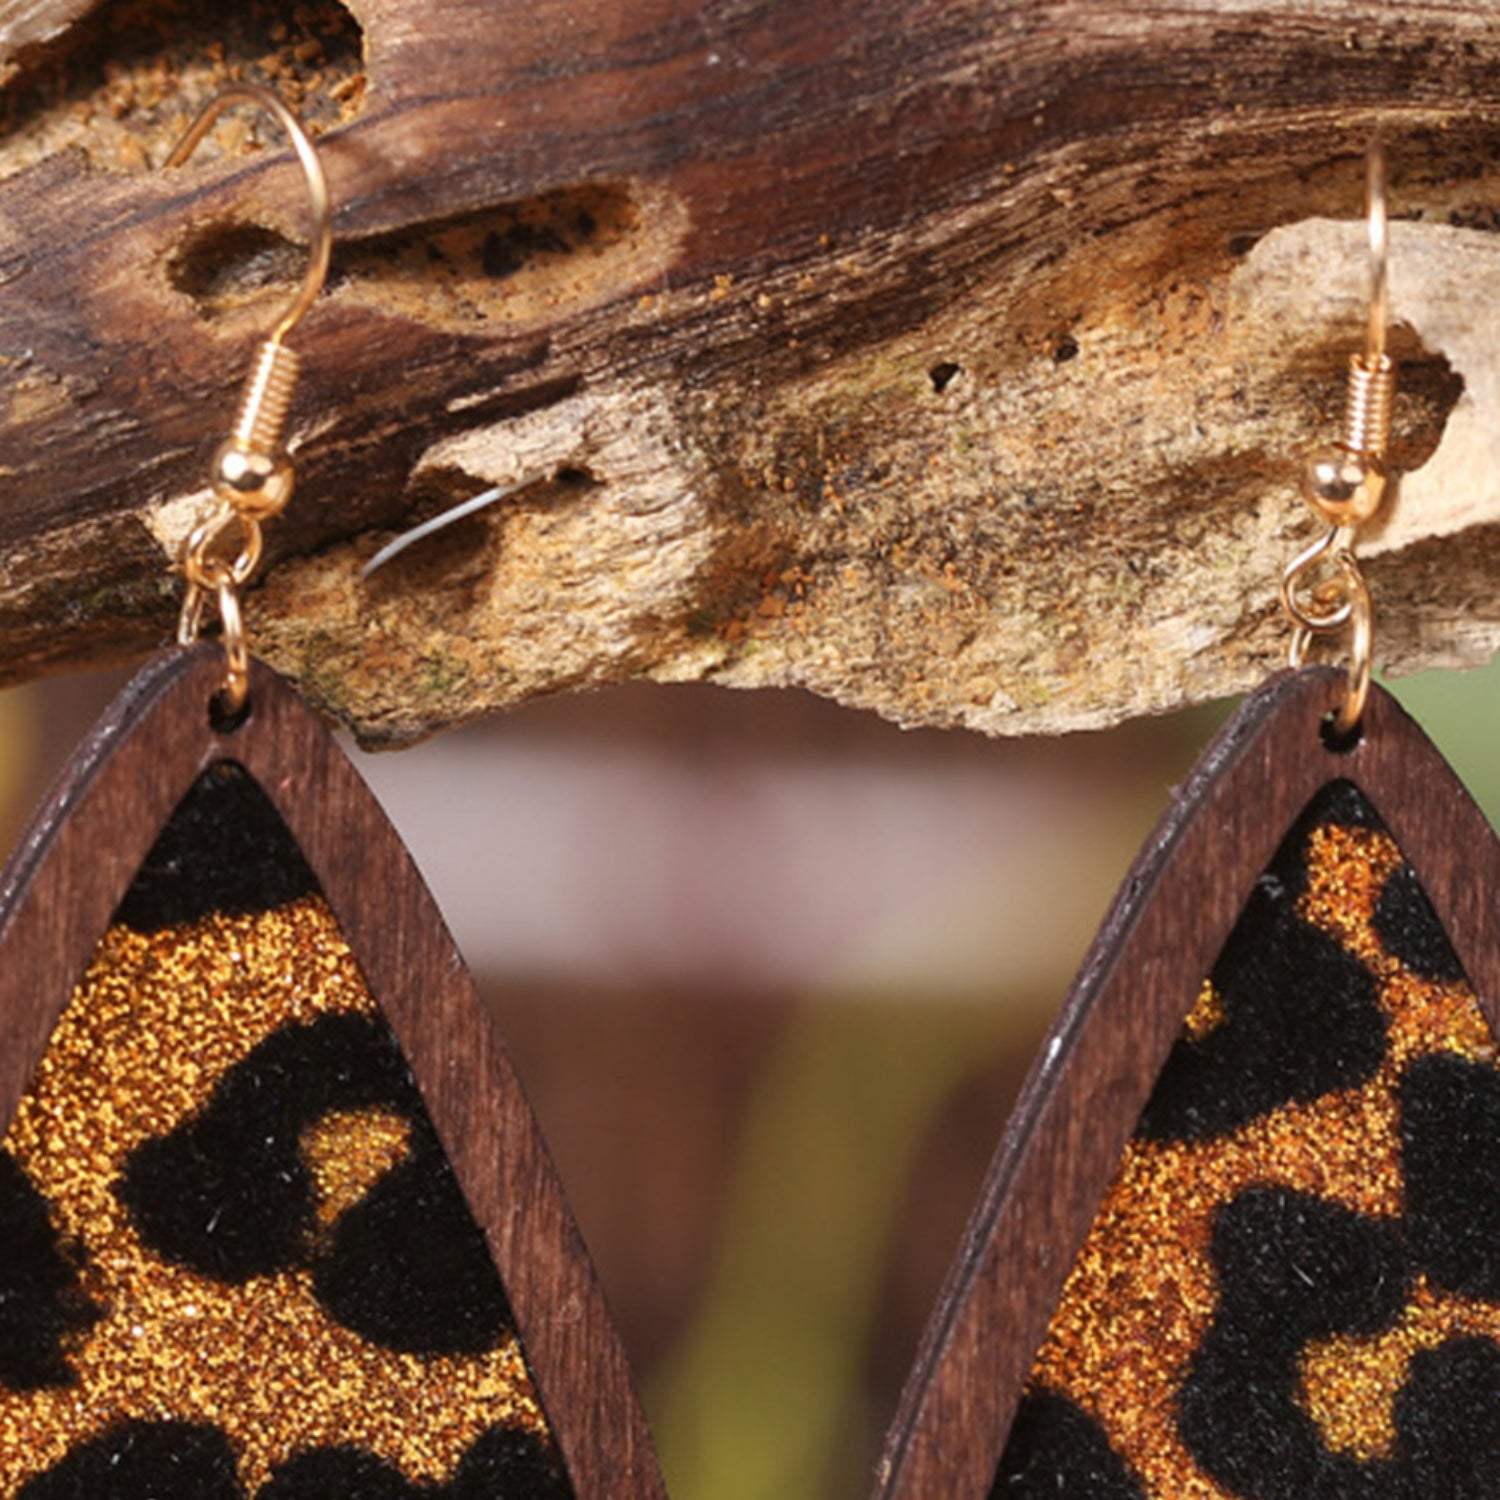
1241,1240
277,1221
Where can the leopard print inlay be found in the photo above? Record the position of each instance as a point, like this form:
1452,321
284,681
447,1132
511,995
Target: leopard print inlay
1292,1288
244,1265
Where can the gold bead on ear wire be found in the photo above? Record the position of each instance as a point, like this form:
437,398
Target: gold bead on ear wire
1345,483
251,473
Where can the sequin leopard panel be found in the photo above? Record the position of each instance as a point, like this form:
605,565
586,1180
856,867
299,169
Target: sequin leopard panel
1292,1288
236,1260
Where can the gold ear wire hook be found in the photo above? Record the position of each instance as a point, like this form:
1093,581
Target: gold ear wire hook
321,245
1372,379
1346,482
1378,225
252,475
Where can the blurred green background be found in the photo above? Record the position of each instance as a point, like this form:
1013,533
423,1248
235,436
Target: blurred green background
772,972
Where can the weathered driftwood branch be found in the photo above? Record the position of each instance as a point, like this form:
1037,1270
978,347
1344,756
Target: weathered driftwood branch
947,360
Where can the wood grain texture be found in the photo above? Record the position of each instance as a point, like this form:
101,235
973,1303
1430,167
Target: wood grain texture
918,354
77,860
1126,1009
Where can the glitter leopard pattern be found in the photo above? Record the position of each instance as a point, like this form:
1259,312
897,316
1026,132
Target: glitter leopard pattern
1292,1288
236,1260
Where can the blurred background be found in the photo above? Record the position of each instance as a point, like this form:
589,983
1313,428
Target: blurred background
772,972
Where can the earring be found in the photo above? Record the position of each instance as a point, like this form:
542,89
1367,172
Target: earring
277,1219
1242,1236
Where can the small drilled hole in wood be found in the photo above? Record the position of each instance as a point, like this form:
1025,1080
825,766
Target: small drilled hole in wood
223,719
942,375
1065,349
1336,743
122,83
1240,245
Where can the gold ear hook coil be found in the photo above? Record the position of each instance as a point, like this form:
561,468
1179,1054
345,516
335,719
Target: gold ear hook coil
266,399
1367,406
1322,588
251,475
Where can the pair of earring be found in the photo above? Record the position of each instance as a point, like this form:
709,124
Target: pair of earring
280,1223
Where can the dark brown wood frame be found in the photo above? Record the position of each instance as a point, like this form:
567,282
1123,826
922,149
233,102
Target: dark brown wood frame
74,865
1126,1008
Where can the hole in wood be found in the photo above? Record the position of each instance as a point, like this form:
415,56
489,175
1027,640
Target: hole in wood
123,82
222,718
514,263
231,262
1427,390
1426,394
449,570
1339,744
942,375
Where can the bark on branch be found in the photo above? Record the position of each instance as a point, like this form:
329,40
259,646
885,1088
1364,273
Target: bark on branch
951,360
